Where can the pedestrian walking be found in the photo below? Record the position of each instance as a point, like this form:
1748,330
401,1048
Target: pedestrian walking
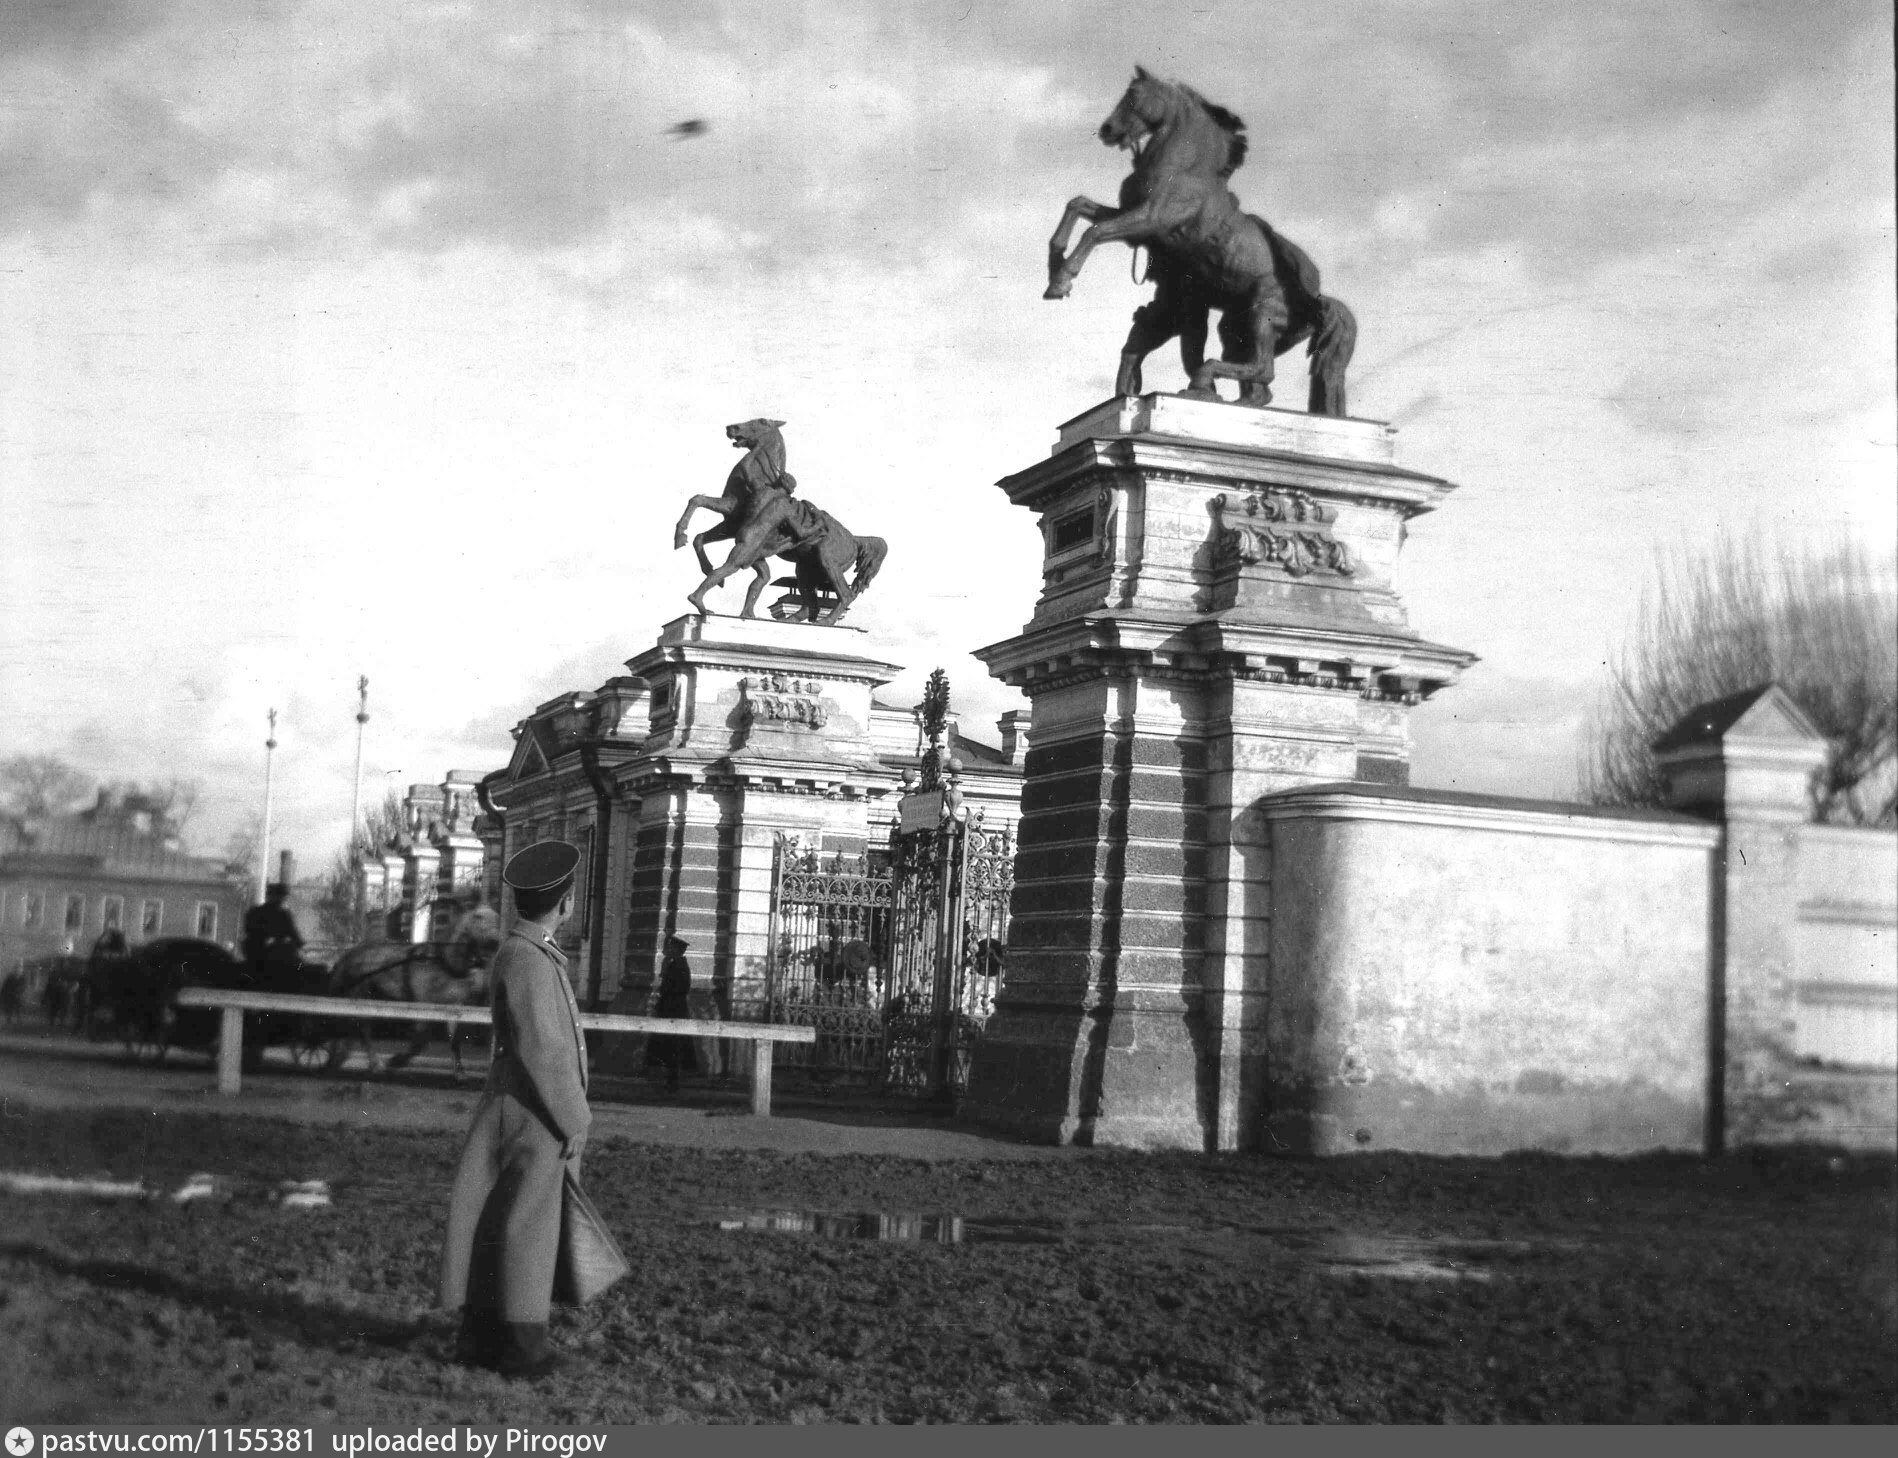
520,1164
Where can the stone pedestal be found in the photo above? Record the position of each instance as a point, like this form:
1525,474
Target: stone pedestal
1217,621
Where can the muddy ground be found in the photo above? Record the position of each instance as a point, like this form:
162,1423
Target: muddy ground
1097,1288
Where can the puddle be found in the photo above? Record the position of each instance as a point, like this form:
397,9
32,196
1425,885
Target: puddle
1338,1253
901,1226
1402,1258
18,1182
291,1194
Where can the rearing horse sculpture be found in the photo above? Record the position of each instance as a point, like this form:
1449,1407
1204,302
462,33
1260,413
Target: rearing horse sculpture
1206,253
767,521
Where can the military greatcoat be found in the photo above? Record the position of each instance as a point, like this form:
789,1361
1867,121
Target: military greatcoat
504,1218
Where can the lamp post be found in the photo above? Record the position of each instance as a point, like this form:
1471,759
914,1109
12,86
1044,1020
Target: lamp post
355,808
263,856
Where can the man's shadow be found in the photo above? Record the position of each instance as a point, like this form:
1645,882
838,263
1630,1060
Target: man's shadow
262,1313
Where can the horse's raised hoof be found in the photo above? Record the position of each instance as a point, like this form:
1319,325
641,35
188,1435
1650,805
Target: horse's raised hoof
678,539
1057,290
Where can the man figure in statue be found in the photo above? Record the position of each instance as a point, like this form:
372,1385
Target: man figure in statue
504,1219
272,944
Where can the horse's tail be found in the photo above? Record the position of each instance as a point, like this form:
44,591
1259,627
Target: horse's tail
1332,345
870,554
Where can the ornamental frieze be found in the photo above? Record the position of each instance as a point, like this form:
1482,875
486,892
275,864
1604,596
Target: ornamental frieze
782,699
1286,529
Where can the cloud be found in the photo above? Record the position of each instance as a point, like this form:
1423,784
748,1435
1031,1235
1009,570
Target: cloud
1502,734
311,314
69,27
839,131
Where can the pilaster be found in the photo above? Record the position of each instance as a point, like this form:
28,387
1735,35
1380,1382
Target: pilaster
1748,761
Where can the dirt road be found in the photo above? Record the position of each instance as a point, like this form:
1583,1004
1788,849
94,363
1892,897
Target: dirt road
824,1270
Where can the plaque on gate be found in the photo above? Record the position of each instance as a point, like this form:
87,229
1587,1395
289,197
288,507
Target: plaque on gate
921,811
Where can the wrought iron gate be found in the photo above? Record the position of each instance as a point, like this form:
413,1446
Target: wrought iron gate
894,958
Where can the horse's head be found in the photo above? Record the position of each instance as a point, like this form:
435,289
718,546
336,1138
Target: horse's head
1146,106
750,434
763,446
1151,106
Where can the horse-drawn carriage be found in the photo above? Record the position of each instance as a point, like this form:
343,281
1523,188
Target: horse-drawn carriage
133,997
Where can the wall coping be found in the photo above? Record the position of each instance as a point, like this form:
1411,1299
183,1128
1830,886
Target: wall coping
1462,809
1849,834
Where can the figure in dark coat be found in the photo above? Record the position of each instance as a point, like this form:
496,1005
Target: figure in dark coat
530,1127
272,944
663,1050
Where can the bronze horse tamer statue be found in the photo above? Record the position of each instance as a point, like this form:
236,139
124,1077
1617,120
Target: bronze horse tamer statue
765,520
1205,253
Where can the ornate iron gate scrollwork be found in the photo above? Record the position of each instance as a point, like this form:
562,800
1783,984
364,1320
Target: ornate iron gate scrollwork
827,918
894,958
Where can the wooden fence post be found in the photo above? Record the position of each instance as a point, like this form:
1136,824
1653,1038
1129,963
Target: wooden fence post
230,1051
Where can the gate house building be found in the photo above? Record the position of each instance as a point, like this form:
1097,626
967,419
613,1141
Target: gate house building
683,780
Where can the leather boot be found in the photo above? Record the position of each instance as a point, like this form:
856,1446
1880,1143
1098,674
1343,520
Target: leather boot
478,1343
525,1351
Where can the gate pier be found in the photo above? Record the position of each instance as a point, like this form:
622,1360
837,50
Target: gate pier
1218,620
677,780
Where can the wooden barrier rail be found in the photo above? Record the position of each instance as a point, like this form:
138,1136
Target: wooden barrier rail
230,1048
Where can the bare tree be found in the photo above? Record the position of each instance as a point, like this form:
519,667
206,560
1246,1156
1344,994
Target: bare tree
35,785
1823,626
241,848
339,909
174,800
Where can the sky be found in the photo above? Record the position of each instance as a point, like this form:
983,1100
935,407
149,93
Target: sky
343,339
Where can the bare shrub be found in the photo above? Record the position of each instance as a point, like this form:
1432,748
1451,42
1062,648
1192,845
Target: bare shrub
1824,626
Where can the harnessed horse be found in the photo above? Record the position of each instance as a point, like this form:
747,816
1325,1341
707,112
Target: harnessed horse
406,972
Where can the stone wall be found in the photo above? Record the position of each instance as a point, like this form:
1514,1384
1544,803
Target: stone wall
1469,975
1846,950
1813,1042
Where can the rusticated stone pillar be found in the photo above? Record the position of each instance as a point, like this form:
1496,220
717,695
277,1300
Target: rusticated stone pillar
1217,621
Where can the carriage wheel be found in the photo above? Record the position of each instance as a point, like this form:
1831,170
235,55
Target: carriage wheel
315,1054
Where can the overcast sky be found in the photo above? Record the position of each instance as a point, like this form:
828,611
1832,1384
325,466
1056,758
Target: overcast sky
344,338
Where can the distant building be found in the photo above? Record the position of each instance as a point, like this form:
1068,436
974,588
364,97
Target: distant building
65,880
413,890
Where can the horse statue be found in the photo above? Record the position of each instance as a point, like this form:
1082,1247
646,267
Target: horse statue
385,971
765,520
1204,253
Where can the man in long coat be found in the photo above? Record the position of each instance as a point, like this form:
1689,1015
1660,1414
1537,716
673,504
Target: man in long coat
272,944
504,1219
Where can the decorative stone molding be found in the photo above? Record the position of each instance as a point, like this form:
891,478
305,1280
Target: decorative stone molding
779,699
1286,529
